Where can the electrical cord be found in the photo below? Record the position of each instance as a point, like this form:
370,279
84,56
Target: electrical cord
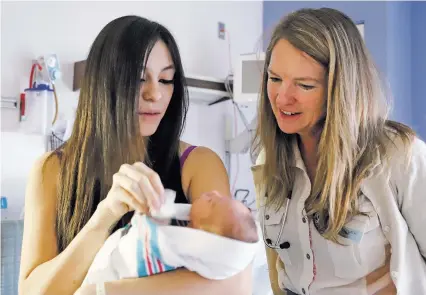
244,199
237,155
56,104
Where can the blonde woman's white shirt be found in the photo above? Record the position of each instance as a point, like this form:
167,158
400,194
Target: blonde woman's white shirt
395,201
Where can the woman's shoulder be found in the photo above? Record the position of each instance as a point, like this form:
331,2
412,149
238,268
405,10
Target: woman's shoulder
419,148
184,146
195,150
48,163
405,156
45,173
196,157
400,146
203,171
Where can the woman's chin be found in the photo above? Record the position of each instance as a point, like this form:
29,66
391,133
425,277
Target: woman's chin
147,131
289,130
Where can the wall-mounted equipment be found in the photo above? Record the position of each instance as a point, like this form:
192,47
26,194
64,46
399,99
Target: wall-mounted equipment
207,90
35,110
247,83
248,77
9,102
39,103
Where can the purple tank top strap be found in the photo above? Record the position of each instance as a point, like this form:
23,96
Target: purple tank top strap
186,154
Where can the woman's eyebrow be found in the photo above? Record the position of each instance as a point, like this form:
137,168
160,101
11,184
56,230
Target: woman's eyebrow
305,78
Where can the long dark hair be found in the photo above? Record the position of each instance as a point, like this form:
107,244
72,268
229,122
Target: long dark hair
106,131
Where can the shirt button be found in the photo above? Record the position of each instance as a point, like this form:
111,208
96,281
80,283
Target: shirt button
386,229
267,217
303,291
308,256
304,220
268,241
285,245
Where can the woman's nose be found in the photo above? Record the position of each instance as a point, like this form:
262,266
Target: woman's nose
286,93
151,91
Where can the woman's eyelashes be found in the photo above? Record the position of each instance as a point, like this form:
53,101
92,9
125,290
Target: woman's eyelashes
303,86
163,81
306,87
275,79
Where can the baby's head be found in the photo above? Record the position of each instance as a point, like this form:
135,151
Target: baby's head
223,216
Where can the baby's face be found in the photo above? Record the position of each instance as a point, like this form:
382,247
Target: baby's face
214,213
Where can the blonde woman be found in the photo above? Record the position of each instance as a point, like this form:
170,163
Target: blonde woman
341,189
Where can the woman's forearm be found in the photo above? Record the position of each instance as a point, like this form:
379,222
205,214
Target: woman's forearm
65,273
182,282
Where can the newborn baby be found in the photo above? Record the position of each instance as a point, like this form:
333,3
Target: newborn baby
220,241
224,217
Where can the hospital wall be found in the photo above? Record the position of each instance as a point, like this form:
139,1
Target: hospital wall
418,64
31,29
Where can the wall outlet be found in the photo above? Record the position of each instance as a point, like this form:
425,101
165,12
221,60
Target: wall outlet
221,31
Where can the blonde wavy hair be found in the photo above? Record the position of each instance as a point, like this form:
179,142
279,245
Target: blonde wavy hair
356,130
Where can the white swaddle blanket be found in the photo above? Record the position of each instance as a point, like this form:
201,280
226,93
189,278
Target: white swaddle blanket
146,247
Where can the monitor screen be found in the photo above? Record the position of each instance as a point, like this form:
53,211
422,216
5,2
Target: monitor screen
248,77
252,72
